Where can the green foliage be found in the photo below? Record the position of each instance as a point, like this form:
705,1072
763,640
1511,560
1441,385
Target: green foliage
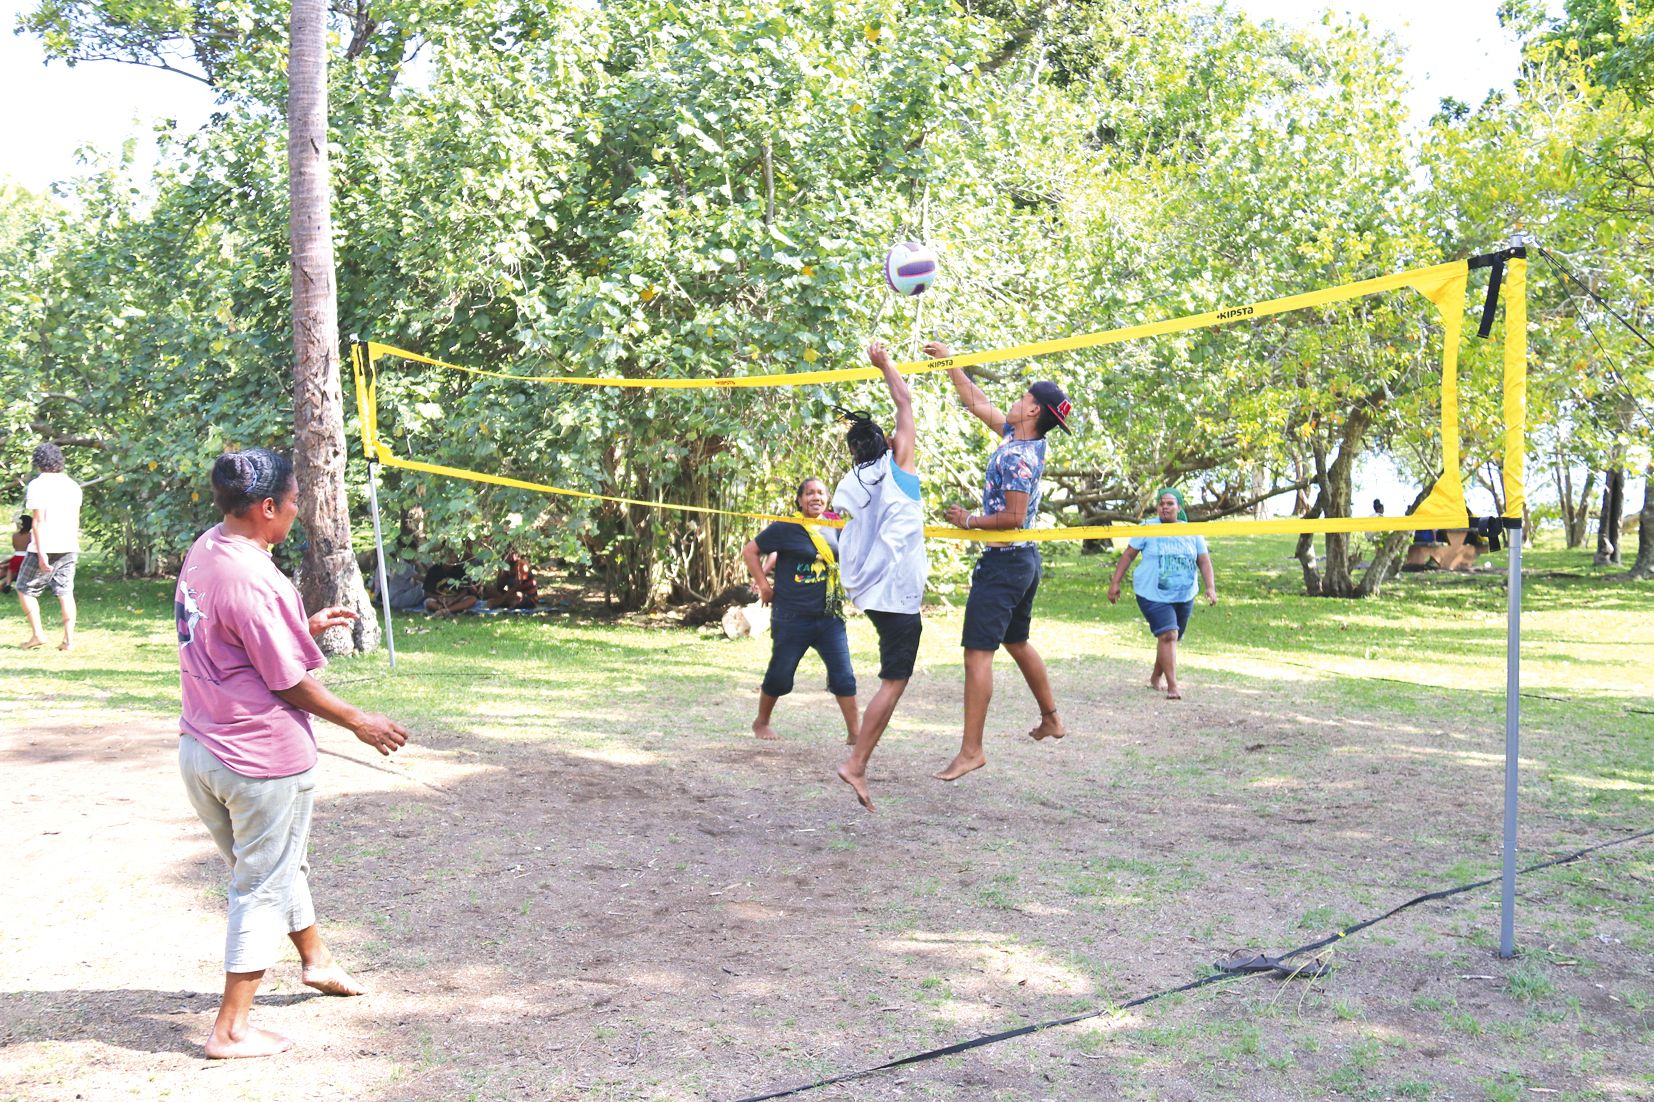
648,188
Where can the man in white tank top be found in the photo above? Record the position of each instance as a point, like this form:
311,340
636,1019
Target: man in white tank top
882,556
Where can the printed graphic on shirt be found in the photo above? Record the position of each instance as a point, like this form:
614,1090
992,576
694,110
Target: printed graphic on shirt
188,614
1177,576
813,572
1015,467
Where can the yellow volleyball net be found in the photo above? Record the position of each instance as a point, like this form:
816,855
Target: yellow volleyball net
1444,286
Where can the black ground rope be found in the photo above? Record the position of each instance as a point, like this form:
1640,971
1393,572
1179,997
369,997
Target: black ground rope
1022,1031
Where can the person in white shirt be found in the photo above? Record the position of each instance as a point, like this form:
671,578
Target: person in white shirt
882,555
52,500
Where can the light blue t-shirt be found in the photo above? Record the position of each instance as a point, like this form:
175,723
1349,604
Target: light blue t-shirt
1167,570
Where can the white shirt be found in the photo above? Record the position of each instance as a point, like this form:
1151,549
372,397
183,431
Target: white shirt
882,547
57,497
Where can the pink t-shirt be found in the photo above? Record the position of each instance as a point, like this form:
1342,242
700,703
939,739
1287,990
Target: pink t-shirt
243,636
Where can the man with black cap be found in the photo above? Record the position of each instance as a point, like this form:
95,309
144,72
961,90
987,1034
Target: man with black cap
1007,574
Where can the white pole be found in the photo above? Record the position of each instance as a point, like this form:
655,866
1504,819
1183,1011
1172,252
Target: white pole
379,542
1513,736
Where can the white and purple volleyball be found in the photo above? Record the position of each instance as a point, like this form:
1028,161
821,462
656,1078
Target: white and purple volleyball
910,268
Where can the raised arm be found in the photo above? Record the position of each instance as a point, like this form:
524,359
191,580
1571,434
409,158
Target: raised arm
901,444
969,393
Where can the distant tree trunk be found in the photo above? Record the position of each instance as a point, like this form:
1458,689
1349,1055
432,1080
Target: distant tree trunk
1337,487
1609,520
328,574
1576,512
1644,566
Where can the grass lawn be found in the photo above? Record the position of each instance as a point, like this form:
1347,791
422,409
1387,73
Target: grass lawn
586,879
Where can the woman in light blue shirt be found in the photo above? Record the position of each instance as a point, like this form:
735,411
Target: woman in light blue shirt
1165,584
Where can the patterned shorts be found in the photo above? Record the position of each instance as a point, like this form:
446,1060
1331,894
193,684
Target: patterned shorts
60,580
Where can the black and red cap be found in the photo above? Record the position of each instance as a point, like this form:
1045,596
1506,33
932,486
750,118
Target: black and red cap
1050,396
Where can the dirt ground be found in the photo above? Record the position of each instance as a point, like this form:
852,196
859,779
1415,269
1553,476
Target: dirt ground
700,915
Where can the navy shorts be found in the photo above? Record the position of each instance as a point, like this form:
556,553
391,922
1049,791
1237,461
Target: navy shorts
898,642
790,637
1164,616
1000,608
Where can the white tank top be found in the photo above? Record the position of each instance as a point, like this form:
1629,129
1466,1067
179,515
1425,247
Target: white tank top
881,548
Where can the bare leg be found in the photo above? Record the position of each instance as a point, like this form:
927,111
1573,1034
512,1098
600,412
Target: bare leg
761,726
1167,662
979,690
1039,683
852,721
233,1037
1155,677
31,610
68,603
873,722
321,971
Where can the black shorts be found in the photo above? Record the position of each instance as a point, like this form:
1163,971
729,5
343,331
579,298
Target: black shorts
1001,605
898,642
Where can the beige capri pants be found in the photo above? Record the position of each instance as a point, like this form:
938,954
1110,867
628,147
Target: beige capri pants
262,827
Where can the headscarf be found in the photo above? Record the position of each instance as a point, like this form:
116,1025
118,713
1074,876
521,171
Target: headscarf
1182,514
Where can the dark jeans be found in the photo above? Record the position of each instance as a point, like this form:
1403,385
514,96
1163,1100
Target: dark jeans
791,636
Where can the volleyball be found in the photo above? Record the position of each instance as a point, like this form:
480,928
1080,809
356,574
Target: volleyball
910,268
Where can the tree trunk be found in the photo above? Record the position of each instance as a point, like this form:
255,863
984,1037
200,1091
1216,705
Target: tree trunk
328,574
1644,566
1609,520
1576,512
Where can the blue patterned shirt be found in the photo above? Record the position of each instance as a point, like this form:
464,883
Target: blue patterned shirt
1015,466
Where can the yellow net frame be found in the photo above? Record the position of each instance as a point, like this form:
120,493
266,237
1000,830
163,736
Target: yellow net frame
1445,285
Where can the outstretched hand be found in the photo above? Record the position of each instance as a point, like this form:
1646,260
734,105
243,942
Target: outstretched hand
936,350
334,616
878,355
957,515
381,732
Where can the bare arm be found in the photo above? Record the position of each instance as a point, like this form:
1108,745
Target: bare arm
1120,573
40,540
753,558
969,393
901,445
1206,575
1014,515
380,732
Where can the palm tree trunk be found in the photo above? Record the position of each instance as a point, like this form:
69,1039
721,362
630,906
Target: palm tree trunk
328,574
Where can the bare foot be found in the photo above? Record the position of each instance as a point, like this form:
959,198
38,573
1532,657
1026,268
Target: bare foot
960,766
65,645
330,979
764,731
1173,694
251,1043
31,644
1049,727
849,740
857,781
1154,684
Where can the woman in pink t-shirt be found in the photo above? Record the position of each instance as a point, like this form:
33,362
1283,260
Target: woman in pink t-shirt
246,751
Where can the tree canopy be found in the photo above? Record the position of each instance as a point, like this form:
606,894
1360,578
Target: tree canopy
656,188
